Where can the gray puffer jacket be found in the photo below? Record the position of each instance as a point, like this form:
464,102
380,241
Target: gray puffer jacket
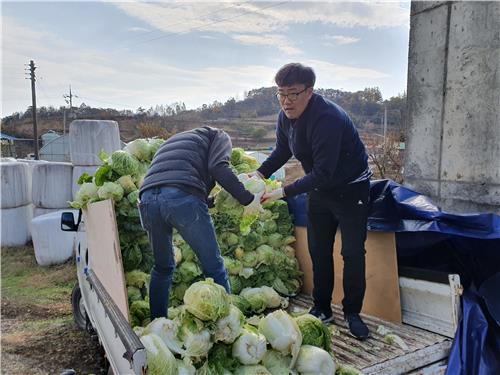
193,161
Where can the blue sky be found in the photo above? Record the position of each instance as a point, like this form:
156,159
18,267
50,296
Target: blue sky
130,54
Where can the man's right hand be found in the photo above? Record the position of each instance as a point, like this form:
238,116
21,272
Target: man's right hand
254,207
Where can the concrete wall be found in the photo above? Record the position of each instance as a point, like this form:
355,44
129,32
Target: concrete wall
453,149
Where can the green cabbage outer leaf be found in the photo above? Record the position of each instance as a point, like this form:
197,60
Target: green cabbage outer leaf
137,279
314,332
206,300
220,359
233,266
131,256
236,284
104,173
139,313
160,360
241,303
188,271
133,294
237,155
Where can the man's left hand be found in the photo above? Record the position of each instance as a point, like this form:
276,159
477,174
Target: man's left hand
272,196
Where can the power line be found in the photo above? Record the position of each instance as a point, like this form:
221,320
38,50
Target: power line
211,23
192,19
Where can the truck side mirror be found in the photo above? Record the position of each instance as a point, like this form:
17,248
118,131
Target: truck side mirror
68,222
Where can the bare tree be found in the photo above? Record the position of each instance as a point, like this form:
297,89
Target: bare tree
388,159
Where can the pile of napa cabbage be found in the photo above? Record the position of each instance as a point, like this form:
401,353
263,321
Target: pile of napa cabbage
207,334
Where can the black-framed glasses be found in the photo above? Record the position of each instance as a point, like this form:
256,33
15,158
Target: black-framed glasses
293,96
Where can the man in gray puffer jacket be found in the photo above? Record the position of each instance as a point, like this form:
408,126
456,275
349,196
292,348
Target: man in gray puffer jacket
174,194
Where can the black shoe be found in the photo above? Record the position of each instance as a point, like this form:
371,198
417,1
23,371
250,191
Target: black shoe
357,327
325,315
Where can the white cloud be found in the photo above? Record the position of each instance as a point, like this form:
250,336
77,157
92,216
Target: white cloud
139,29
278,41
262,17
143,81
328,71
341,39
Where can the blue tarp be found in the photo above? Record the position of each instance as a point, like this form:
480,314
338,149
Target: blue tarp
395,208
428,238
476,348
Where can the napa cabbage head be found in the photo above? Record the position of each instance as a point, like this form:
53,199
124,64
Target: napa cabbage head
207,300
160,360
127,183
229,328
314,361
167,330
282,333
124,163
277,363
256,298
154,145
110,190
140,148
86,194
314,332
250,347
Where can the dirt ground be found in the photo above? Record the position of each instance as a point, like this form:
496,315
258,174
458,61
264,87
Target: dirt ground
37,328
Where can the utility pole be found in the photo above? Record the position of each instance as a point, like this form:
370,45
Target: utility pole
69,100
33,107
385,123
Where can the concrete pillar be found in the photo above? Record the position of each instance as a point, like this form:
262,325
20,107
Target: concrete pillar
453,149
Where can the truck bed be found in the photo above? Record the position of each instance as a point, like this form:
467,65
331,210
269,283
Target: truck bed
374,356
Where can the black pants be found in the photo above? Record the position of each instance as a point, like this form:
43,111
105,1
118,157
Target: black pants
347,208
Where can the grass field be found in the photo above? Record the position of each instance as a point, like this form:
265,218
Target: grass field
38,332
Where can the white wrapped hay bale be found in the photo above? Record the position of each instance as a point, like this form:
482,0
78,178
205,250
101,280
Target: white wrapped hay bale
51,244
78,170
15,224
52,185
15,184
31,164
88,137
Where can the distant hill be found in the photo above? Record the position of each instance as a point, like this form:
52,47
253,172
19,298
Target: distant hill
249,120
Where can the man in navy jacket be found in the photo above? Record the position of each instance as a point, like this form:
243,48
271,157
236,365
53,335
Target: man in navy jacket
323,138
174,194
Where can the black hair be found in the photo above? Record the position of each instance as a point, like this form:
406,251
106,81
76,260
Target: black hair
295,73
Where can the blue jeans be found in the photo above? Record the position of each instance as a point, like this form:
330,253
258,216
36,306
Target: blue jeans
165,208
